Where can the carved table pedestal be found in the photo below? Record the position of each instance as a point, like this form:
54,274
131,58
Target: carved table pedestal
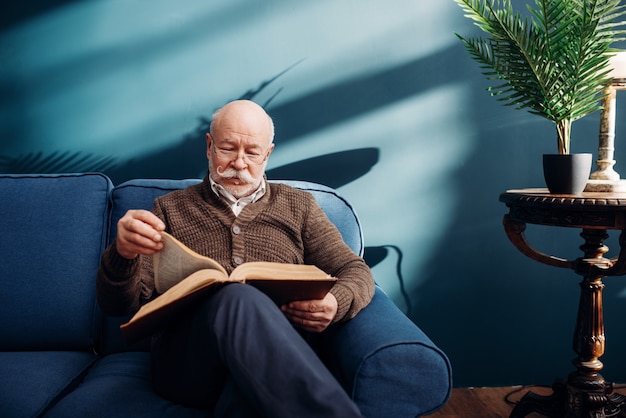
585,393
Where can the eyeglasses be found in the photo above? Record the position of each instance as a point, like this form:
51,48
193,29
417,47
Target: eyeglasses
231,154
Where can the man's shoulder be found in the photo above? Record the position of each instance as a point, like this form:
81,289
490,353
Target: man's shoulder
285,197
286,191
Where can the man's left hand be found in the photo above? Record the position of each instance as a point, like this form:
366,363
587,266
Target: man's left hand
312,315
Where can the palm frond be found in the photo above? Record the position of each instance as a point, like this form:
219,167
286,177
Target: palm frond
553,63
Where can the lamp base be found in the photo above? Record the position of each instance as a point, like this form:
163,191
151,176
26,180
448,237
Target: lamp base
606,186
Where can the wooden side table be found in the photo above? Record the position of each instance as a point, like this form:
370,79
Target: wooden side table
585,393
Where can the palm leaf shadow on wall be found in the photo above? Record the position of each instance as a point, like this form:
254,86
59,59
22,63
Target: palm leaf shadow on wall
181,160
375,255
329,169
56,162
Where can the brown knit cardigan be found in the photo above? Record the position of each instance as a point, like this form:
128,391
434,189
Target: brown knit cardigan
286,225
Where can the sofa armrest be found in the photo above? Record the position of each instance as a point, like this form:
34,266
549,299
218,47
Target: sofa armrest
387,364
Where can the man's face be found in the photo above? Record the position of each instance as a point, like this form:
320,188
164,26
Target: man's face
237,160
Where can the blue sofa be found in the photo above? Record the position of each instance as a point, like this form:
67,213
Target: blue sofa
61,357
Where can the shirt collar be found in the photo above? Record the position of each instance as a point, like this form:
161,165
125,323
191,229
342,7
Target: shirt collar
235,204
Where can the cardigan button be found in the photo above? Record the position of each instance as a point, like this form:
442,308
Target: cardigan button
236,229
237,260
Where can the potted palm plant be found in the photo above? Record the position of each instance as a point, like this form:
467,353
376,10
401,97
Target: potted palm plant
552,61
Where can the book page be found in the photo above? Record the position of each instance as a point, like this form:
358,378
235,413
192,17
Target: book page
285,283
176,261
277,271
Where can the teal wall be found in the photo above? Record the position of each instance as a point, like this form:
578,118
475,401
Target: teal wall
375,98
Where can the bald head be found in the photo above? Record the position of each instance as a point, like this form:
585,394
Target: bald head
243,117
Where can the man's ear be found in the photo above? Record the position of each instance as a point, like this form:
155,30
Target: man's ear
269,152
209,141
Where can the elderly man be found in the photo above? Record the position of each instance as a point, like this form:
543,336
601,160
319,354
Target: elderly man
238,353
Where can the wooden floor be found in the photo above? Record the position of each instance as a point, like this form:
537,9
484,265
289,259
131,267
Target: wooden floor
491,402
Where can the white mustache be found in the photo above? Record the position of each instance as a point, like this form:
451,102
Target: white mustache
231,173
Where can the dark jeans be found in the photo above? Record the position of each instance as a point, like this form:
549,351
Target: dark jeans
238,355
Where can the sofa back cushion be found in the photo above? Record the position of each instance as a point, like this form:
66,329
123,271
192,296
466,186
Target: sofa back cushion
140,194
52,234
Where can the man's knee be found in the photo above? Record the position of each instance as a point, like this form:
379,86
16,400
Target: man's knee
240,293
237,302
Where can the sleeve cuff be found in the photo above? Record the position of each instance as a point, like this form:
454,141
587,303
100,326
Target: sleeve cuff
117,267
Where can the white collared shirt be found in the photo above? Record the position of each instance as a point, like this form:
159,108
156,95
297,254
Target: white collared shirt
237,205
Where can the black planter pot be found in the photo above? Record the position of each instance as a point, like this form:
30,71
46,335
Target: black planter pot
566,173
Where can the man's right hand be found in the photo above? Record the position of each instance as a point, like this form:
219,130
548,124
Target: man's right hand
138,232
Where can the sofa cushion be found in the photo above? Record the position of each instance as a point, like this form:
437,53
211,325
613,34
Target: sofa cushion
119,386
53,230
32,381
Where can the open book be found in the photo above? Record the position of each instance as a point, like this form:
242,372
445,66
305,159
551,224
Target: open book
183,277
